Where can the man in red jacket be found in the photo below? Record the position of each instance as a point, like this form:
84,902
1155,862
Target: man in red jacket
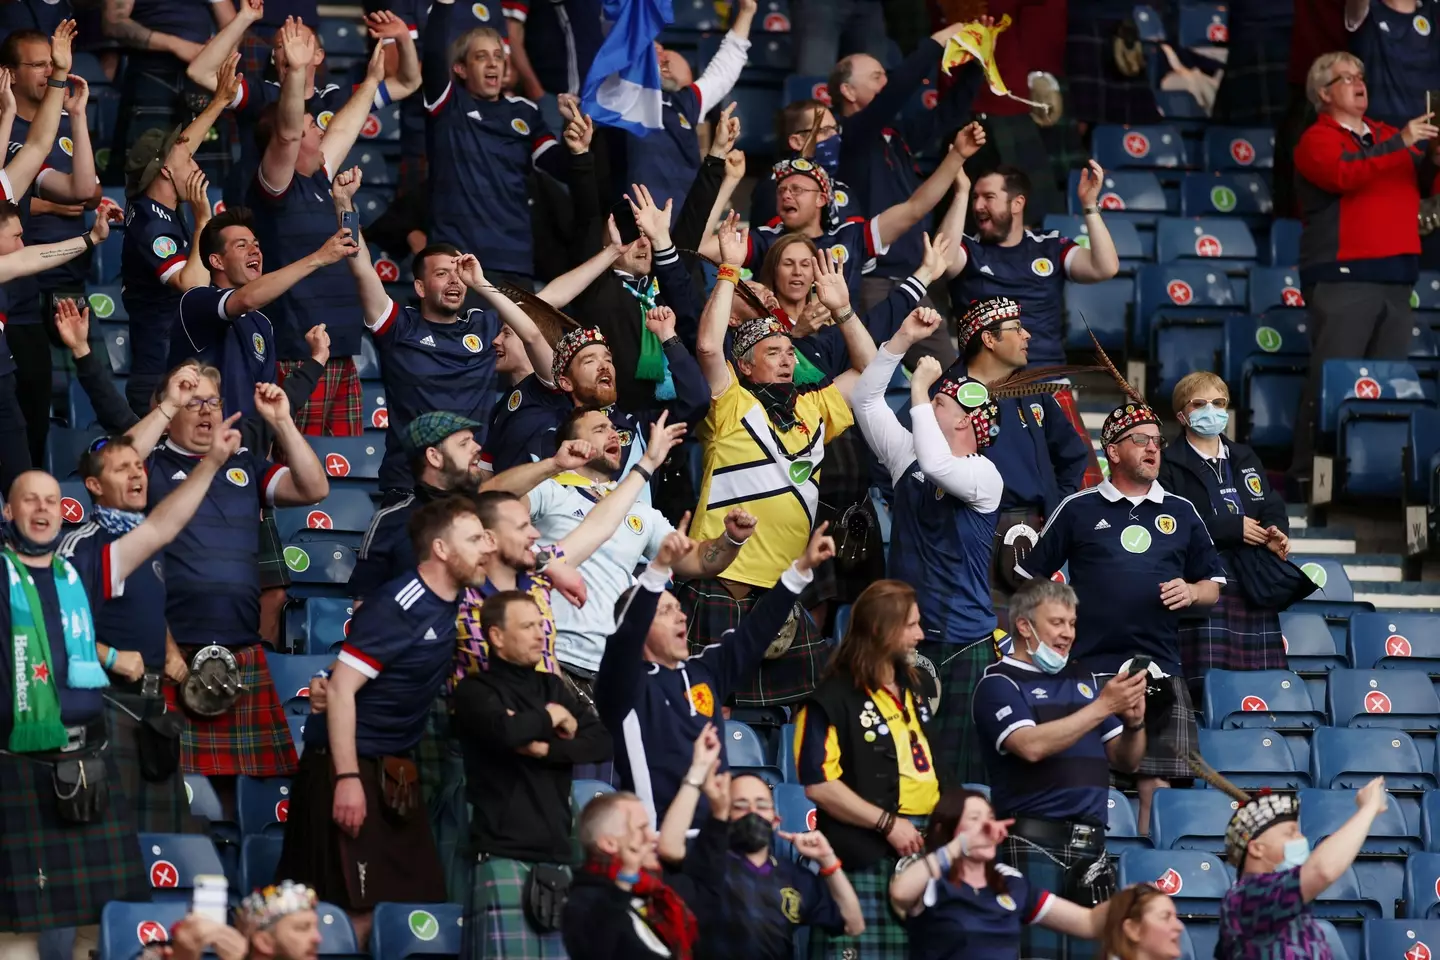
1356,184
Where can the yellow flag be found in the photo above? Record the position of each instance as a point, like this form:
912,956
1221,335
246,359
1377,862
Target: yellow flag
975,41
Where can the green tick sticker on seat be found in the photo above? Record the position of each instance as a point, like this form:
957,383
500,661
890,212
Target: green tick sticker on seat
1316,573
297,559
1135,538
424,925
1223,199
1268,339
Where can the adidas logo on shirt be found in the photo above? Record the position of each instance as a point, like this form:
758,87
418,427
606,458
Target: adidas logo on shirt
430,634
985,269
428,340
473,114
179,475
1102,525
580,514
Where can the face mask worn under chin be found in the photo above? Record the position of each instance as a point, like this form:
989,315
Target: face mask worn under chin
1047,659
1209,421
1297,851
751,833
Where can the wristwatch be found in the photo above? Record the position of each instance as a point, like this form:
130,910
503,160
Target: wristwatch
1089,210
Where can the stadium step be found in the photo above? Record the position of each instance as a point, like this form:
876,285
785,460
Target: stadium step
1322,540
1405,595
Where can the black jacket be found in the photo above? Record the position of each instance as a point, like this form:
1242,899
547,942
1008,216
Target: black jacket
521,804
1185,473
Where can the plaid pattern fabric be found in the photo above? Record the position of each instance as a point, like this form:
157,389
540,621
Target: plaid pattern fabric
1094,476
254,54
884,937
335,407
1099,92
1169,740
712,610
442,787
496,927
414,174
1235,636
1255,89
273,572
1044,868
54,874
158,807
253,738
959,667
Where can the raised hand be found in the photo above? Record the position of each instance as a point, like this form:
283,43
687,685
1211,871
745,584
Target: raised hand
77,94
820,548
1373,796
272,404
375,69
72,323
676,544
344,186
573,454
319,342
735,164
663,438
734,240
653,221
1419,129
814,316
613,243
937,257
1088,190
7,92
384,25
661,322
227,440
830,283
579,127
227,79
196,192
182,386
970,139
251,11
927,371
727,131
297,42
739,525
106,214
811,845
341,245
60,44
705,756
470,271
921,322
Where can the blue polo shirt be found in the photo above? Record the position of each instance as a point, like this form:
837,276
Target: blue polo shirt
157,241
1401,53
432,366
856,240
666,160
76,706
403,642
1073,784
290,226
1032,273
135,619
960,921
761,907
242,348
212,569
385,552
1120,549
520,421
42,15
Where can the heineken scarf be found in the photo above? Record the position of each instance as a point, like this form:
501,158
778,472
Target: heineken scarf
806,373
36,701
651,365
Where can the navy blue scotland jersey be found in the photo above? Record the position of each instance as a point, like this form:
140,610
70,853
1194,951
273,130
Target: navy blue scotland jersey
242,348
1033,274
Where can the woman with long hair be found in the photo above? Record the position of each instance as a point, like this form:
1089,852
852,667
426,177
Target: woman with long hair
863,752
960,902
1142,925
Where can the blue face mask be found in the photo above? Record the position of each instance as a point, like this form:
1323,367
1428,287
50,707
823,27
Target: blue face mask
1297,851
827,154
1209,421
1047,659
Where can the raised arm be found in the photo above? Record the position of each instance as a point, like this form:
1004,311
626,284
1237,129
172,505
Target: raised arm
112,411
563,290
709,558
882,430
28,261
721,73
524,477
269,287
345,126
1333,856
622,668
22,169
225,87
385,28
537,348
80,185
520,58
704,764
305,482
896,221
117,23
1099,261
435,68
196,192
834,293
710,345
974,479
201,70
178,390
953,224
277,164
374,301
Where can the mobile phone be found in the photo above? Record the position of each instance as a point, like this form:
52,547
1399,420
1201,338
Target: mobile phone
1432,102
211,897
625,222
350,220
1138,665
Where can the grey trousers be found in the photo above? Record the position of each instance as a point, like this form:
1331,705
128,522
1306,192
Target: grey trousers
1348,321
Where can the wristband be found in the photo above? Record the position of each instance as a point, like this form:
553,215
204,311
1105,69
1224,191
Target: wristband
737,544
1089,210
57,84
833,869
347,776
89,241
845,314
110,658
728,273
673,341
692,783
640,469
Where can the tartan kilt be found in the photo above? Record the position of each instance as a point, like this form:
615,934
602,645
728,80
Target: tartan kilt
1169,739
255,53
1255,90
252,738
954,740
712,611
158,807
1094,476
442,787
1235,636
1098,91
83,866
335,405
1043,873
496,927
884,937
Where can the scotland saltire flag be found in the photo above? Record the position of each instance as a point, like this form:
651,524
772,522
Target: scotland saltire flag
623,87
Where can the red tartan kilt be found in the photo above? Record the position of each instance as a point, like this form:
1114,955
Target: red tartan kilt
252,738
1094,476
335,405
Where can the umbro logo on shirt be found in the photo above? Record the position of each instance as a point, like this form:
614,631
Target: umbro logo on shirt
986,270
1039,693
1102,525
429,341
473,115
430,634
179,475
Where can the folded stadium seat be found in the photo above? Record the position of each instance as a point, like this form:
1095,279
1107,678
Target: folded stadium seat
1189,333
1430,820
1328,574
1122,832
63,449
204,801
1179,107
1344,944
768,773
1273,699
772,57
297,730
343,40
1390,699
376,415
350,458
82,412
106,306
785,756
1322,812
259,859
1221,240
1277,289
367,361
383,127
174,860
1253,758
127,928
1367,401
1226,195
263,804
1149,24
842,622
1396,641
75,506
1407,939
1283,244
774,16
1182,290
374,171
291,675
743,746
327,624
1195,880
370,202
1204,25
1132,195
337,936
1122,233
1265,364
1422,886
1309,644
403,930
583,791
1239,148
756,107
1156,146
344,511
800,87
116,338
1347,901
1190,819
797,812
316,567
1346,759
1105,306
1425,295
697,15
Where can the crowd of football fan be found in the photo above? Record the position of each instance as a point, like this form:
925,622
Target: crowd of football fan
616,509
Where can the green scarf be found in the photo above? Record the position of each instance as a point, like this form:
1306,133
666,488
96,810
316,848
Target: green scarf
806,372
36,701
651,365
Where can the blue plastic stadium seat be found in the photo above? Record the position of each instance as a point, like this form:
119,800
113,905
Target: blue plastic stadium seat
297,730
696,15
1239,148
263,804
756,107
376,414
327,623
259,859
127,928
1190,819
345,510
1204,238
409,929
116,338
337,936
106,305
1149,23
1430,820
383,125
743,746
75,505
1253,758
1122,233
1284,243
785,758
320,562
1196,880
1347,899
1181,290
583,791
1396,641
1265,361
1105,306
1392,699
354,458
82,412
1204,25
1180,108
342,38
204,801
1365,381
1401,939
802,87
1182,344
367,361
1342,758
1322,812
1275,287
1329,575
1258,698
1309,644
174,860
1116,146
1422,441
370,202
291,674
1122,832
1372,437
797,811
1127,191
1422,886
1225,195
774,16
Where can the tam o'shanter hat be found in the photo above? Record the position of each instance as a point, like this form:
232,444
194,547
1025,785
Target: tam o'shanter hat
975,397
752,332
802,167
570,346
1256,813
983,314
264,907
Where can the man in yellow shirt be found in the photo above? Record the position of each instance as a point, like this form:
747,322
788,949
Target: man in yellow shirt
764,441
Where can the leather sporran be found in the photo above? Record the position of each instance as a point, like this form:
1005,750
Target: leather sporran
546,889
82,788
399,786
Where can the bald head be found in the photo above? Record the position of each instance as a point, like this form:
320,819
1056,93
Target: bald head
855,81
33,507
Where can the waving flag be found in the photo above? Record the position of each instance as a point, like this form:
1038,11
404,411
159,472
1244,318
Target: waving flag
623,87
977,42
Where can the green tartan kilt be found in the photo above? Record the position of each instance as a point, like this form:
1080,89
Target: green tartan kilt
158,806
495,924
55,874
442,784
958,667
884,937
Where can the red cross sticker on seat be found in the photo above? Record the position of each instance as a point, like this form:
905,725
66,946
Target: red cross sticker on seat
1207,246
1217,32
1292,297
319,520
150,931
387,271
1253,704
336,465
303,691
1377,702
1397,646
1112,201
810,820
821,92
1170,882
164,875
282,810
1058,576
1242,152
345,630
777,23
1137,144
1367,388
371,128
72,510
380,419
1180,292
929,98
219,206
1418,952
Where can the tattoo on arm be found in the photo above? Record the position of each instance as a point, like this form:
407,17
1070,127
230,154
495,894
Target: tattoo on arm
57,252
119,26
712,552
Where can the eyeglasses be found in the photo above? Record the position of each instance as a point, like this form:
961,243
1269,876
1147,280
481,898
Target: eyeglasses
196,404
1219,403
1349,79
1005,328
829,130
35,64
1144,440
795,191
